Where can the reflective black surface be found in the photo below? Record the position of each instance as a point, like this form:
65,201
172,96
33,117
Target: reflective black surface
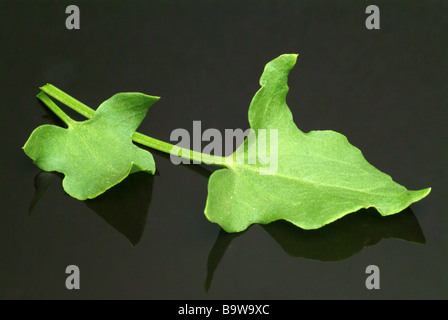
386,90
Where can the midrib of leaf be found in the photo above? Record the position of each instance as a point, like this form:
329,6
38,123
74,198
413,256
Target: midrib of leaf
366,205
263,191
304,181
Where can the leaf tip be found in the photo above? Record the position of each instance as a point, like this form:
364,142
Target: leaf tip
277,70
295,55
290,56
417,195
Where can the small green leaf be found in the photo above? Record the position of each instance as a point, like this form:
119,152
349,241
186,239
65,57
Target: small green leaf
319,177
96,154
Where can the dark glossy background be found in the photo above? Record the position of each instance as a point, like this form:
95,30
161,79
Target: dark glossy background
386,90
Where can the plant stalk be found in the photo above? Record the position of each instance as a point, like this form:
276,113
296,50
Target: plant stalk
84,110
54,107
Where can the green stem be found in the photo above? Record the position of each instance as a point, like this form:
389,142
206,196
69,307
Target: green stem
178,151
69,101
56,110
142,139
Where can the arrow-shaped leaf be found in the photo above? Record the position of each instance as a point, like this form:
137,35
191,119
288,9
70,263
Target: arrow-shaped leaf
317,177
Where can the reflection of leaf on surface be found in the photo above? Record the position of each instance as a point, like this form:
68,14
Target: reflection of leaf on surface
124,207
342,240
336,241
50,116
41,182
217,253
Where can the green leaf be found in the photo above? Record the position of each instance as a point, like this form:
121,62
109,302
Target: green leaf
319,177
96,154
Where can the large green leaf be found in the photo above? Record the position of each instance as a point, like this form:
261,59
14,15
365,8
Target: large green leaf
319,176
96,154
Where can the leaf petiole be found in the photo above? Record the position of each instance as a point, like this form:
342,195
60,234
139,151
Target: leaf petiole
56,110
139,138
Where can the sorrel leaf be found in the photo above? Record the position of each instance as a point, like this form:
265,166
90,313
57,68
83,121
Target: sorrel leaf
96,154
319,176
